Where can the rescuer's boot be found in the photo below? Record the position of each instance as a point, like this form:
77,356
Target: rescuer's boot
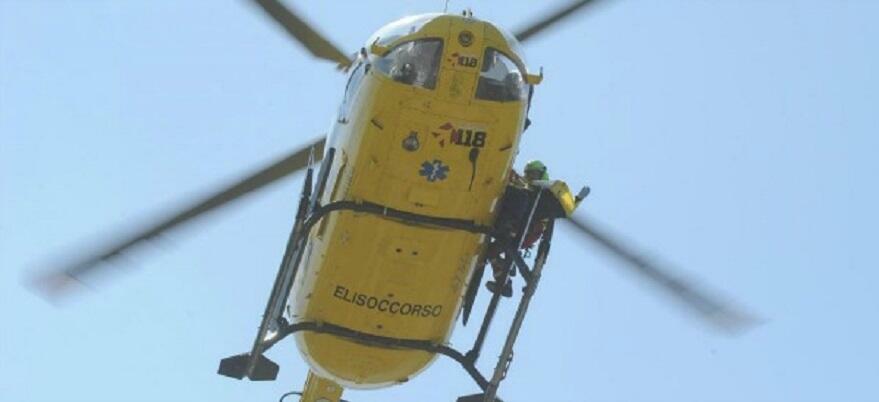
507,290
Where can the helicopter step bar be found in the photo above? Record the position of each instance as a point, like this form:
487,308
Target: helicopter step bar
274,328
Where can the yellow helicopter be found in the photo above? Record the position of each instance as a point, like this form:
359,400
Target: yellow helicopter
394,228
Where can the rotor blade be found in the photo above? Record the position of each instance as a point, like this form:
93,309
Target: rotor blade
55,284
550,19
316,43
722,315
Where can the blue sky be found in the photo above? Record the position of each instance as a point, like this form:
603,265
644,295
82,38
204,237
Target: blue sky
733,139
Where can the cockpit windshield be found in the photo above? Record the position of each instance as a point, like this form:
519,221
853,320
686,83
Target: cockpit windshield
402,27
413,63
513,44
500,79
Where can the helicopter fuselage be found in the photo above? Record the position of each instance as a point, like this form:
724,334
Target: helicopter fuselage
436,138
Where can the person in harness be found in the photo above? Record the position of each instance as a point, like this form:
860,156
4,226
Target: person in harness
514,211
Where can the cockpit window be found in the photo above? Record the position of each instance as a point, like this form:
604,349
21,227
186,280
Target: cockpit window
413,63
402,27
357,73
500,79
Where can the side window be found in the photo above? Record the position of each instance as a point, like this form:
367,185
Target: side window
413,63
351,88
354,81
500,79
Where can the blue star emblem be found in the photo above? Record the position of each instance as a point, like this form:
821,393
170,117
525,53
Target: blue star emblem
434,171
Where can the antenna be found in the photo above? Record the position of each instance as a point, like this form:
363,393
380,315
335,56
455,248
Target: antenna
446,8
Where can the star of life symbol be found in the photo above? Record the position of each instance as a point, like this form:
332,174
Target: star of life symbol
434,171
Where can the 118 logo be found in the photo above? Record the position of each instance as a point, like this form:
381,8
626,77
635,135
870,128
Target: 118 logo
467,61
468,138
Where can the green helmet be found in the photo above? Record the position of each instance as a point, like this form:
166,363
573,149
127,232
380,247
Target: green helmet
536,170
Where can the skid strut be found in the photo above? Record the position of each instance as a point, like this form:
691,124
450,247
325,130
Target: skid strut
506,357
254,365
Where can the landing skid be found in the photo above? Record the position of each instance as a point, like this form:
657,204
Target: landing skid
477,398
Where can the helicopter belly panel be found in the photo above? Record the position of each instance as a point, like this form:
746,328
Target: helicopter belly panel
386,278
